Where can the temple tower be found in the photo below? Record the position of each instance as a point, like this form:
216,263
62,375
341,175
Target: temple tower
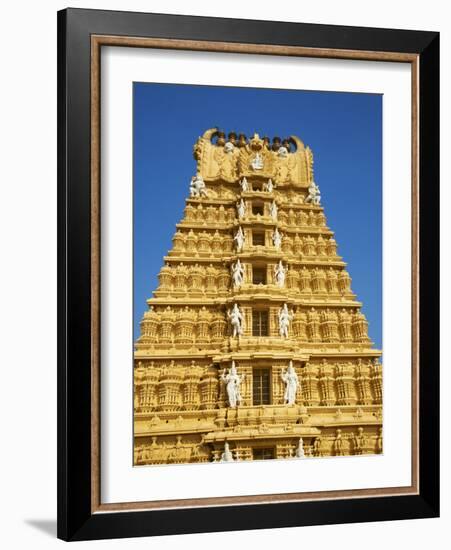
254,345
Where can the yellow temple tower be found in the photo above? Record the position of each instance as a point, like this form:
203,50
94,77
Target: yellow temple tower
254,346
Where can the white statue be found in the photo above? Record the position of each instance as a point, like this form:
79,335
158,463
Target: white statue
277,239
227,455
237,273
257,162
232,381
273,210
269,186
314,194
197,187
280,274
244,185
291,384
282,152
300,449
241,209
284,321
229,147
239,238
236,320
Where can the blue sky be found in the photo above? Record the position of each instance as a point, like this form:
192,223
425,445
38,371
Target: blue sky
344,130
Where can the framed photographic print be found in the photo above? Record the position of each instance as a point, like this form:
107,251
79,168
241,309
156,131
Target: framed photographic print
248,274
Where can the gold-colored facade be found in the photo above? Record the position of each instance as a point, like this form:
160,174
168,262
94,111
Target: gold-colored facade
183,412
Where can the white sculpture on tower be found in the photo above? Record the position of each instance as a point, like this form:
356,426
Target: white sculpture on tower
244,185
277,238
300,449
239,239
227,455
290,378
232,380
282,152
257,162
197,187
269,186
237,273
273,210
280,274
237,321
241,209
314,194
229,147
284,321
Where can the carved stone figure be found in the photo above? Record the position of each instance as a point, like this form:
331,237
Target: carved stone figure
300,449
314,194
257,162
227,455
284,321
237,270
273,210
282,152
277,239
280,274
236,320
291,381
241,209
232,380
268,186
239,239
244,185
197,187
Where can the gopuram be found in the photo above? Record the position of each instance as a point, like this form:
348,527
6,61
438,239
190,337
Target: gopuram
253,345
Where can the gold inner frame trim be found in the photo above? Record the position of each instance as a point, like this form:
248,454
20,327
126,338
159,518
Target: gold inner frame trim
97,41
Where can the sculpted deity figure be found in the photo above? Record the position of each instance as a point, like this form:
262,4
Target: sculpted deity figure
257,162
280,274
244,185
237,270
197,187
239,239
314,194
241,209
284,321
300,449
273,210
236,320
232,380
277,239
282,152
268,186
227,455
290,378
229,147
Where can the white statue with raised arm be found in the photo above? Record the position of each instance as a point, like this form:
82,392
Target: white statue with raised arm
237,321
244,185
290,378
241,209
277,238
232,381
197,187
237,270
239,239
280,274
314,194
284,321
273,210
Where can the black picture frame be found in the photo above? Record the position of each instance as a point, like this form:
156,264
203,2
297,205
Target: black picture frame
76,518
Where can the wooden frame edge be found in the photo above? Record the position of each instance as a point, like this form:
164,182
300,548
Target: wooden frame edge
226,47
